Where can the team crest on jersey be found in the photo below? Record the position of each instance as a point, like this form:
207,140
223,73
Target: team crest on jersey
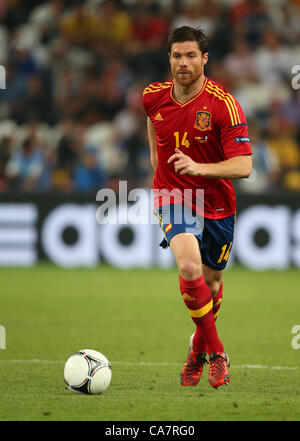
203,120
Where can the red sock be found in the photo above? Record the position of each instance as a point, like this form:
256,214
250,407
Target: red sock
198,299
217,301
198,340
199,344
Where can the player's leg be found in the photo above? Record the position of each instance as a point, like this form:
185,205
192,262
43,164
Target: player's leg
215,249
190,267
218,363
196,295
195,292
213,279
186,251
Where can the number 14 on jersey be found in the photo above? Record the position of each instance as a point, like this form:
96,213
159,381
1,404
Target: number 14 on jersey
181,141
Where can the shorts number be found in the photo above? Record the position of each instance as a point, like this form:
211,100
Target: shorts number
225,252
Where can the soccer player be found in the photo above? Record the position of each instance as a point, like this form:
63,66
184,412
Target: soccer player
198,138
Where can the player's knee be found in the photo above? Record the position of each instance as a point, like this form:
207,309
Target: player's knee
189,269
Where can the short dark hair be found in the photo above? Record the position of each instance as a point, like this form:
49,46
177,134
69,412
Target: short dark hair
187,33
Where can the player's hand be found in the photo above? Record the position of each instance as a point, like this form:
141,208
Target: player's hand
184,164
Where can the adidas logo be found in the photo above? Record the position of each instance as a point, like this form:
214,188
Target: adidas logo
187,297
159,117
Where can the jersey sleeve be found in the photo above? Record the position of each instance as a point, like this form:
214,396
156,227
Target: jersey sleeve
148,98
145,101
154,95
233,129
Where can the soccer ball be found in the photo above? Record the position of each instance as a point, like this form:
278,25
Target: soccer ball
87,372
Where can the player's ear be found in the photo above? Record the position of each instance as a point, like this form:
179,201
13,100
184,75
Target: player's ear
205,57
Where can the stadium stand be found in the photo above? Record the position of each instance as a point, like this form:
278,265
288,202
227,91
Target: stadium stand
71,117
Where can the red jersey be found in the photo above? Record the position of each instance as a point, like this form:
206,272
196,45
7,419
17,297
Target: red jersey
210,128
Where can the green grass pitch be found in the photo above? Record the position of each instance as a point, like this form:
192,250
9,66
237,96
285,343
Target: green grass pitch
138,320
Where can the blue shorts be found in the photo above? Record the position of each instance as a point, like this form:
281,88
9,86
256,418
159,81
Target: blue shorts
215,236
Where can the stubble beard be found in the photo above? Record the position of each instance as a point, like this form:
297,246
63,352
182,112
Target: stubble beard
188,83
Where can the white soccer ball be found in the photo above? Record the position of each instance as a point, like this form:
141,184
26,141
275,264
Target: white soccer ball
87,372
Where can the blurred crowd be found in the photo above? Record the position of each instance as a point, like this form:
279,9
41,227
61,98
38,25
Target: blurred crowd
71,118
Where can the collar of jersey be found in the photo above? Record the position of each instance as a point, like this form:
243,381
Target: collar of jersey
191,99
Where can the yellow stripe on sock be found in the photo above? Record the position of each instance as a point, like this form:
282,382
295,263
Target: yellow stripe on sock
218,302
216,315
197,313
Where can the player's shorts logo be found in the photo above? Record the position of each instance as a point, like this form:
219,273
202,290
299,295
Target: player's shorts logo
203,120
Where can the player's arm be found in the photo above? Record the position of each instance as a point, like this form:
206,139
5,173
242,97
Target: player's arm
152,143
231,168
